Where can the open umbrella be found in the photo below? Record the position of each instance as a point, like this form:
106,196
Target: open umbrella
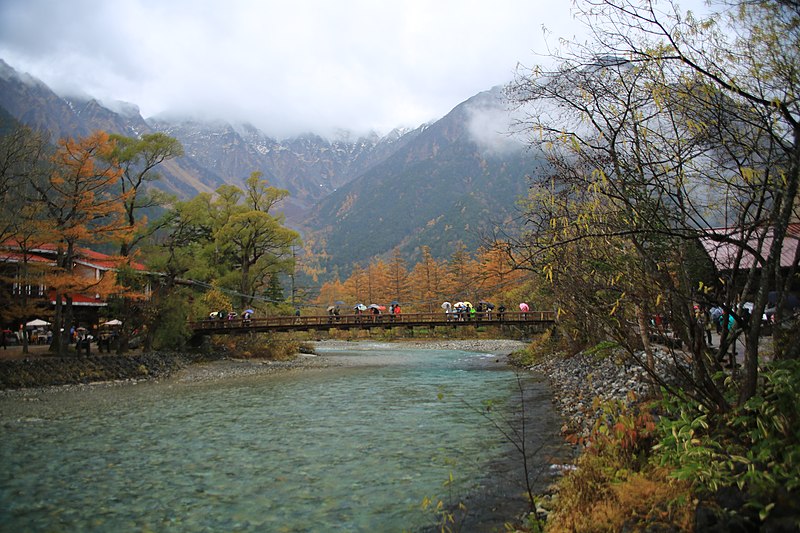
446,306
113,322
338,302
487,304
250,311
467,304
37,323
331,308
524,307
791,302
360,307
395,302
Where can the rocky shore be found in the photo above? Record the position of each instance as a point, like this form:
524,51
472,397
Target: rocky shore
576,381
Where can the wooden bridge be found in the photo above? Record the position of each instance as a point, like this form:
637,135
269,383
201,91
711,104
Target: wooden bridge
539,320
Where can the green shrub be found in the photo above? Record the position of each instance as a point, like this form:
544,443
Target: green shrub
755,448
171,330
262,346
545,345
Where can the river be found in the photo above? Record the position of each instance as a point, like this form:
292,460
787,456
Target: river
356,446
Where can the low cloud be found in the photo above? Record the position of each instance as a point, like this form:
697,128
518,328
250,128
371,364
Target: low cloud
491,125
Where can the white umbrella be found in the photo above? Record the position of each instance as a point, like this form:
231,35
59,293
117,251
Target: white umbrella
37,323
113,322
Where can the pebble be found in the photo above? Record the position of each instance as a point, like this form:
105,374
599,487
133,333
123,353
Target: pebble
577,380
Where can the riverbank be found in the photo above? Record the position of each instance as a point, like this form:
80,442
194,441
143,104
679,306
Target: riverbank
41,370
232,366
578,380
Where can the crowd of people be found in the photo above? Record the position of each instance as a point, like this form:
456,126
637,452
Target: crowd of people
459,311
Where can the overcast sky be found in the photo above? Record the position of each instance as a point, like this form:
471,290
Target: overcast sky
288,67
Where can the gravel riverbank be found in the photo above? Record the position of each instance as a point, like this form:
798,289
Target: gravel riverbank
233,367
42,371
576,381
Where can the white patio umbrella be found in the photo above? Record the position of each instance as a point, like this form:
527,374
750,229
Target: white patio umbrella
36,323
114,322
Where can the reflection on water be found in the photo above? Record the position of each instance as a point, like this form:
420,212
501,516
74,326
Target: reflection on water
350,449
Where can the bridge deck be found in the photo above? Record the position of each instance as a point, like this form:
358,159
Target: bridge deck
367,321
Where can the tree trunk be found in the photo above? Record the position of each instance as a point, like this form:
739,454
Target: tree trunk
750,378
58,327
68,323
644,333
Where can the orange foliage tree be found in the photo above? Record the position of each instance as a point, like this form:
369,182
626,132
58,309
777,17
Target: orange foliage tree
357,285
331,292
398,278
81,205
428,282
497,274
492,276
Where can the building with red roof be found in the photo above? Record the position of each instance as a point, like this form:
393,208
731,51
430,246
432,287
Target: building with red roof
88,264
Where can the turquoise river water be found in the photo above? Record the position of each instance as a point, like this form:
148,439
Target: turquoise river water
346,448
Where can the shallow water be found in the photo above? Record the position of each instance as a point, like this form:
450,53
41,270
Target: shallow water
353,448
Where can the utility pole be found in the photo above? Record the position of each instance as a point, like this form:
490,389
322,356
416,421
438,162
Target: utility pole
294,268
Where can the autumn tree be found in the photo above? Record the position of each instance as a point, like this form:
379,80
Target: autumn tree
379,281
81,205
251,239
23,159
333,291
661,131
138,158
497,277
357,285
462,274
428,281
398,278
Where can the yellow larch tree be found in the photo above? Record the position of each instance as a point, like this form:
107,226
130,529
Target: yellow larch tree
81,205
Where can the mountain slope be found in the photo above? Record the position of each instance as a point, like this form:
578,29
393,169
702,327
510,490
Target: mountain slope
308,166
440,185
32,103
442,189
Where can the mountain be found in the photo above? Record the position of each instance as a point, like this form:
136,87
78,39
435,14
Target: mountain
354,197
31,102
454,182
309,166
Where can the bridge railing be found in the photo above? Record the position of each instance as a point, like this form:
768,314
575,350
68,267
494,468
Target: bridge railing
370,320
